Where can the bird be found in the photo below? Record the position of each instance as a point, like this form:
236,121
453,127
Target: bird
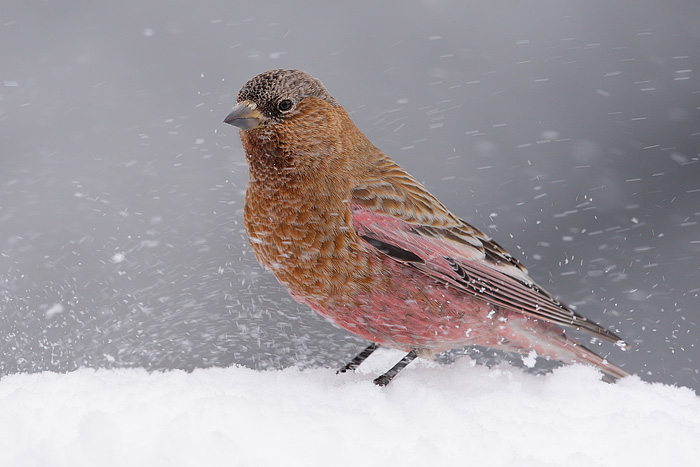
354,236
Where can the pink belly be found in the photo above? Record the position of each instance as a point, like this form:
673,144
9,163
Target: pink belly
409,310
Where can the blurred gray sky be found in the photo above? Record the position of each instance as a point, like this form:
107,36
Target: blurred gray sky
569,131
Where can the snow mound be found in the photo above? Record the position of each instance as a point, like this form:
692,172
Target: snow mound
430,415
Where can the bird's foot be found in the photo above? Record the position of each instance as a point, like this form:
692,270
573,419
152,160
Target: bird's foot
386,378
361,357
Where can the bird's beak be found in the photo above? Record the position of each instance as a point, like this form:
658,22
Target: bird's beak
245,116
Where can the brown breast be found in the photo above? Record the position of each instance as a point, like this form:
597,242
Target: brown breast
296,210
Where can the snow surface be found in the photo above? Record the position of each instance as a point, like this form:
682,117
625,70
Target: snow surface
459,414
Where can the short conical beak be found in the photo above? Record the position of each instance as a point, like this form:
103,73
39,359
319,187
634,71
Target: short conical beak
245,116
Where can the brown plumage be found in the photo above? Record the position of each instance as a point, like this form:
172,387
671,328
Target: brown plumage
350,233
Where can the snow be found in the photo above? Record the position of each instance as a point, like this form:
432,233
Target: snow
530,359
55,309
459,414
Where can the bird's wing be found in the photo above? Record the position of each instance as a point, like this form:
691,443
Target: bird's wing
406,222
388,189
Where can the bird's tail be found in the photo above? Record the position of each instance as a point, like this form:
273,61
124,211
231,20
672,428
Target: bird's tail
560,347
548,340
578,353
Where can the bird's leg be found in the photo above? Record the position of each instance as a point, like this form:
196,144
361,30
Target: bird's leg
386,378
361,357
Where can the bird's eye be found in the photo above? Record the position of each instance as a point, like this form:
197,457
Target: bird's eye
284,105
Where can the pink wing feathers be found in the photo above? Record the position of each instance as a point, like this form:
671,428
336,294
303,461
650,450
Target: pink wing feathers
397,216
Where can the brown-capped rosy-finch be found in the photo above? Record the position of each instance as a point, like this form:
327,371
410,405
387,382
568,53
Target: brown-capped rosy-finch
355,237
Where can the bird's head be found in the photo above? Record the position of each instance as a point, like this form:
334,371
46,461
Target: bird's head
289,121
276,96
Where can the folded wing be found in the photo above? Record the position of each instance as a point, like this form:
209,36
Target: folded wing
398,217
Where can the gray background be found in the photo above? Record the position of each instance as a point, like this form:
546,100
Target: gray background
567,130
